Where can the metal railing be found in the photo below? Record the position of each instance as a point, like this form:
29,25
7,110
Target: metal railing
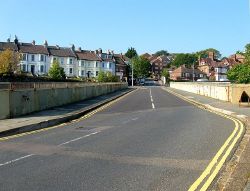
46,85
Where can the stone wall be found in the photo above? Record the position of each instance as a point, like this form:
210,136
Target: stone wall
222,91
23,101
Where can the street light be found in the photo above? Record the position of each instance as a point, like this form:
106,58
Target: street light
132,73
193,71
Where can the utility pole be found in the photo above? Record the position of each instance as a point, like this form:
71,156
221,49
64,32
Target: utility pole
132,73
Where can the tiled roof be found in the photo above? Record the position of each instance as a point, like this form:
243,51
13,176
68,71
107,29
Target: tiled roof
8,45
119,59
61,52
87,55
32,49
190,70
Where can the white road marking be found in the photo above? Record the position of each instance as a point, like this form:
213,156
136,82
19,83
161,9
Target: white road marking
73,140
151,98
15,160
153,105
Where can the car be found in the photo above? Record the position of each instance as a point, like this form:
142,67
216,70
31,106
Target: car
202,80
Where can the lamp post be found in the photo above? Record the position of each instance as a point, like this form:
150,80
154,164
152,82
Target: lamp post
132,73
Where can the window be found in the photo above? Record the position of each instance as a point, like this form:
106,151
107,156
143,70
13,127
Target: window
96,73
62,60
71,70
24,57
41,58
201,75
96,64
107,65
42,68
82,73
54,59
89,64
32,57
70,61
103,65
187,74
82,63
24,68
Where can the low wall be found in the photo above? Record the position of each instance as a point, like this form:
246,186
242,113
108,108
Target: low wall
221,91
23,101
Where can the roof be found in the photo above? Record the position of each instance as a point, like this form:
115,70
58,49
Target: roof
189,70
119,59
61,51
8,45
87,55
32,49
146,55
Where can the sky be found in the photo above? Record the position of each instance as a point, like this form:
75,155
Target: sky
147,25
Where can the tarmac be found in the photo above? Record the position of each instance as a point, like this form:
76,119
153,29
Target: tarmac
236,172
55,116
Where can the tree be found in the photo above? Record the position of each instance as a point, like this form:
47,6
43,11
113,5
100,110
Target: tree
131,53
56,72
240,73
9,61
204,53
141,67
185,59
165,74
247,53
162,53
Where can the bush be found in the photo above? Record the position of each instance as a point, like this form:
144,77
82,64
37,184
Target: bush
240,73
106,77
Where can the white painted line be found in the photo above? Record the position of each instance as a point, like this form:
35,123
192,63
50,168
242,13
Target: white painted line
153,105
15,160
151,98
73,140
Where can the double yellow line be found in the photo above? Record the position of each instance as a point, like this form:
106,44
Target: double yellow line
212,170
88,115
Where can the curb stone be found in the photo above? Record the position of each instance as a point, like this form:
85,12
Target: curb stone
226,179
60,120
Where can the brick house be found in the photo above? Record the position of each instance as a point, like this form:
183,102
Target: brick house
184,73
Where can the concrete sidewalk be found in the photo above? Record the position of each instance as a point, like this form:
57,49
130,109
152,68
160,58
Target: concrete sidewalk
236,174
55,116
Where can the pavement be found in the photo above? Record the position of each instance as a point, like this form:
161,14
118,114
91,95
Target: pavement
56,115
148,139
236,173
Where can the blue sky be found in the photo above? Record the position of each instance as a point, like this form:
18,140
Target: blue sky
147,25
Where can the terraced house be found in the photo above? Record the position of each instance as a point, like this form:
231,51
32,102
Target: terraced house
37,59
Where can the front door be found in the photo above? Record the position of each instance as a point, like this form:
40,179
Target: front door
32,69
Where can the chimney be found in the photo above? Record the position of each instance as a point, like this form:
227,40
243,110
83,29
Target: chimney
45,43
211,55
100,51
33,42
96,51
57,46
8,40
80,49
16,40
112,52
73,47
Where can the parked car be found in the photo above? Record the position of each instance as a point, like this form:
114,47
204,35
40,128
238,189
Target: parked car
202,80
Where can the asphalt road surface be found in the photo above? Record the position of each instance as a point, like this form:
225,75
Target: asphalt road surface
149,140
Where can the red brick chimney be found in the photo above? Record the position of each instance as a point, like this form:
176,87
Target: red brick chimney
211,55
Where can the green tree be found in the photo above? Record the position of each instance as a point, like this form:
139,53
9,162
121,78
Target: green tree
240,73
161,53
185,59
165,73
247,53
141,67
204,53
9,61
131,53
56,72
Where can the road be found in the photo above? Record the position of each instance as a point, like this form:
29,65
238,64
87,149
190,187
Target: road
149,140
